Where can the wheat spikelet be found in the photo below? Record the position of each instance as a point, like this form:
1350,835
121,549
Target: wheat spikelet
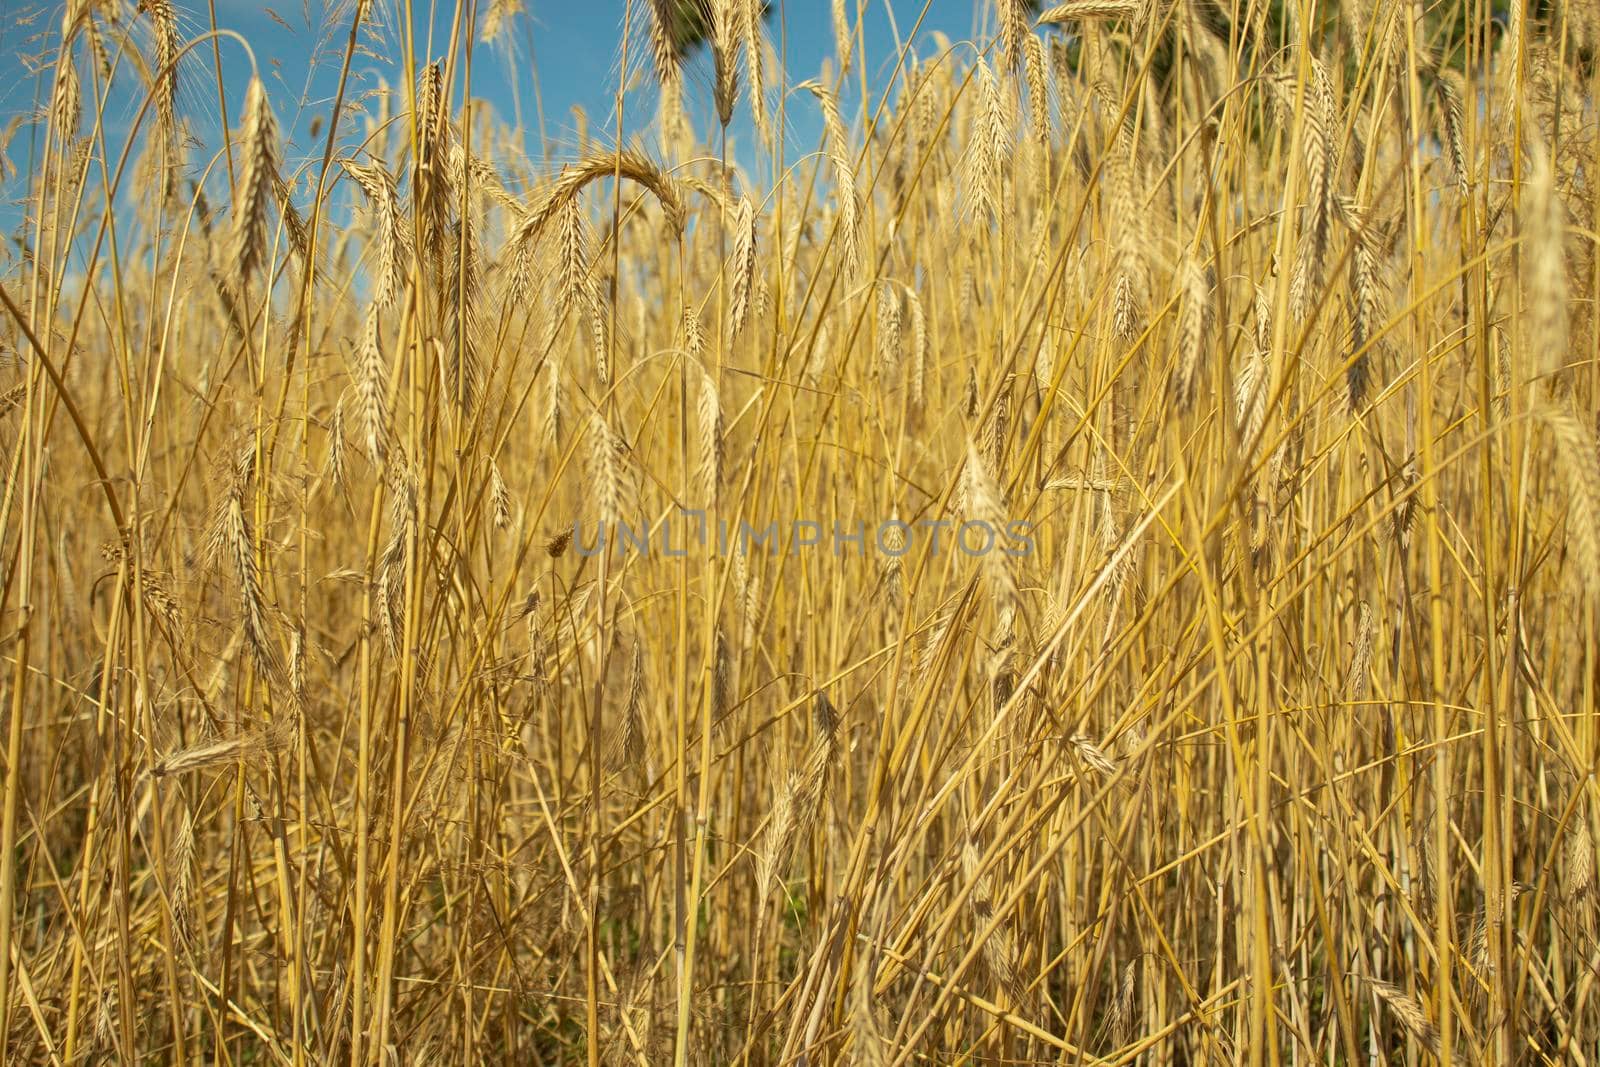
625,164
970,398
496,16
626,744
293,224
1301,283
724,19
721,677
990,148
999,949
744,263
1092,755
431,105
1194,328
93,13
1547,270
1062,72
1321,123
12,398
708,472
796,807
999,430
816,357
1358,677
1001,670
1130,285
1358,22
599,338
259,143
378,185
66,99
180,877
663,42
164,22
499,496
371,389
924,104
334,468
754,63
1013,20
843,175
1405,510
1251,386
750,601
843,40
1513,45
1408,1010
694,336
1125,315
230,750
105,1021
458,353
1580,463
391,578
520,271
1583,23
1261,308
474,176
297,670
773,858
1364,289
894,547
1263,510
850,228
1090,10
936,638
610,478
232,537
983,503
577,291
575,284
554,402
434,196
762,303
162,604
919,347
1452,111
1577,866
1120,1020
1477,947
1038,104
868,1048
825,720
889,326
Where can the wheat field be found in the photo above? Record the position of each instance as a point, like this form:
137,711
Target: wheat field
468,600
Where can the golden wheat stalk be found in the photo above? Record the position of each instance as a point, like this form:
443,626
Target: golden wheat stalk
258,140
744,264
1408,1010
796,807
624,164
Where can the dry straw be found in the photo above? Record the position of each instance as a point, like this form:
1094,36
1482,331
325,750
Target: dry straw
1275,331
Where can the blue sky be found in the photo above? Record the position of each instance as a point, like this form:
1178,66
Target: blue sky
557,55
